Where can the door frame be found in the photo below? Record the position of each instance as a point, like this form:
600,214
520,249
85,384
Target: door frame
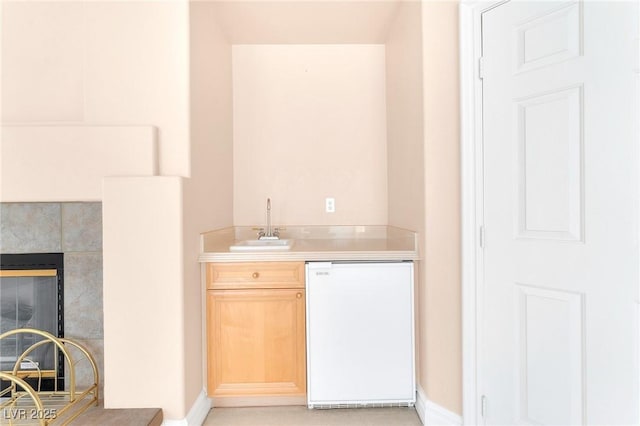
471,170
472,196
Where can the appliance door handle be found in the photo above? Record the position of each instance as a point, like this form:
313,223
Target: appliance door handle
319,265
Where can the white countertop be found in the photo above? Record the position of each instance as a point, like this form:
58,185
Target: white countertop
315,243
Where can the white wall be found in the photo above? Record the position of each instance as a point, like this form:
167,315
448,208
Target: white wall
309,123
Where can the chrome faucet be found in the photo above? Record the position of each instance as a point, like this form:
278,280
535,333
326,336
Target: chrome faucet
270,234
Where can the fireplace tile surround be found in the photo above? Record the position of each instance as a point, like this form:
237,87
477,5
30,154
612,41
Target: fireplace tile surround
75,229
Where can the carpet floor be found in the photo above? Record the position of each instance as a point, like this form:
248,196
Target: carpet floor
301,416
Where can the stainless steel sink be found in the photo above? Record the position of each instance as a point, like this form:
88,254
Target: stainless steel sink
261,245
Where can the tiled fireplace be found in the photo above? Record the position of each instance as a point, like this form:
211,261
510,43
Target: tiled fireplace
74,229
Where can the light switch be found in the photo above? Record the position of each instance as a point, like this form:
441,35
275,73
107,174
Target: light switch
330,205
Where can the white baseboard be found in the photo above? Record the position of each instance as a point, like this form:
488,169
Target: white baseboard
432,414
196,415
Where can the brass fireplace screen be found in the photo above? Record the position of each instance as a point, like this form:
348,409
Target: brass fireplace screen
45,379
23,401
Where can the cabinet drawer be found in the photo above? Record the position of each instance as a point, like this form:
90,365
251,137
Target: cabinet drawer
255,275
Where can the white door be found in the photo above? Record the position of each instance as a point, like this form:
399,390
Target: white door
559,321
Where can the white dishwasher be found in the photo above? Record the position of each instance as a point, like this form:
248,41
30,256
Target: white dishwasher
360,334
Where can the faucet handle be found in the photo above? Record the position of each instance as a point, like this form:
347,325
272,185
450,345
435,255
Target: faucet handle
261,232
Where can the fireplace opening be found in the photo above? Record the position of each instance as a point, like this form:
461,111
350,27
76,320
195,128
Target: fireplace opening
31,296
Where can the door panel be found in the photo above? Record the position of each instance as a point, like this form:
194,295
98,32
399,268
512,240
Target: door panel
552,35
550,133
560,151
551,355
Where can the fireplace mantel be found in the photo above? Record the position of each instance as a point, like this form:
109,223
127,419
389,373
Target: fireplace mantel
44,163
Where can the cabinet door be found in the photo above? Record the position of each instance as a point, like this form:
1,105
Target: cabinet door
256,342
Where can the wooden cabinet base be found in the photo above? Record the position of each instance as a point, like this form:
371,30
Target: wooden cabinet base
256,343
257,401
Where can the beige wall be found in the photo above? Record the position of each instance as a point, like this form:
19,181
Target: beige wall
404,112
208,194
424,185
117,64
305,22
42,62
136,72
406,147
375,126
309,123
441,375
99,63
144,309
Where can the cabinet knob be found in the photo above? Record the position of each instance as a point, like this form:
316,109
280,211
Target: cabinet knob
255,274
299,295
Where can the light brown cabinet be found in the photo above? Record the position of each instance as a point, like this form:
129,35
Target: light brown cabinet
256,329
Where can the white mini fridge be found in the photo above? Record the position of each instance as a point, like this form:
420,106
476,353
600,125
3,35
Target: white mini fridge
360,334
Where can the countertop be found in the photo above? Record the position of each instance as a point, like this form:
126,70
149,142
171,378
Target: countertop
315,243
